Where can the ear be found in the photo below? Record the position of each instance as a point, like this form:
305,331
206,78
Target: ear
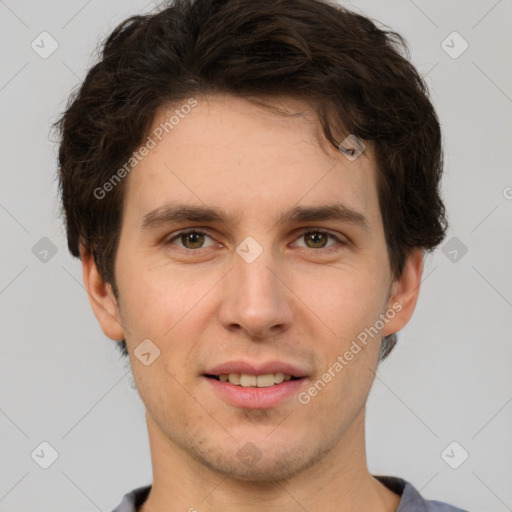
404,293
101,297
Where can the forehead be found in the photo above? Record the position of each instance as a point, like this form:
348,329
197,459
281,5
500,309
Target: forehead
233,153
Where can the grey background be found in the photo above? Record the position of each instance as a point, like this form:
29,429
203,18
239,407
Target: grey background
449,379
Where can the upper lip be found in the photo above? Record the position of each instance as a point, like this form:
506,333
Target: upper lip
250,368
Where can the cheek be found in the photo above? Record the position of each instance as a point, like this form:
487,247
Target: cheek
345,300
156,301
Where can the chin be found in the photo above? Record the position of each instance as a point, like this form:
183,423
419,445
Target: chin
250,464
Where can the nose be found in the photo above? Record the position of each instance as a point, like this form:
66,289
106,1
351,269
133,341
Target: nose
256,299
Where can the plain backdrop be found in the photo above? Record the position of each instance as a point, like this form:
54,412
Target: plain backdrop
449,378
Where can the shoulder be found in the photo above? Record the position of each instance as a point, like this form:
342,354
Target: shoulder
439,506
411,500
133,500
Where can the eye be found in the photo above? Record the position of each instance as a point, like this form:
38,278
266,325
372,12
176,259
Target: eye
192,239
317,238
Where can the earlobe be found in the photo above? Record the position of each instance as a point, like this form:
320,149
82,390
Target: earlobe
101,298
405,292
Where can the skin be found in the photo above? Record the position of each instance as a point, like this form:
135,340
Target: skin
296,303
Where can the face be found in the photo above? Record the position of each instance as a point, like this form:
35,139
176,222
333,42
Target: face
270,282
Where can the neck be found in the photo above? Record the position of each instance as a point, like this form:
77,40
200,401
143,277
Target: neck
339,482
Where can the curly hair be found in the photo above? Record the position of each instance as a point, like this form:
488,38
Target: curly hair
357,76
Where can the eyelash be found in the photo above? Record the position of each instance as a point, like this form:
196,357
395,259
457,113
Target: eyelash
303,232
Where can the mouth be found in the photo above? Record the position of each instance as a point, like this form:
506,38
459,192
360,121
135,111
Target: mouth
253,381
248,386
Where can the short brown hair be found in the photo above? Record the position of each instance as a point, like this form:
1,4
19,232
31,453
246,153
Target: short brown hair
357,76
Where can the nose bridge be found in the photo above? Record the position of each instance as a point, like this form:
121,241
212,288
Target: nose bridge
255,277
255,299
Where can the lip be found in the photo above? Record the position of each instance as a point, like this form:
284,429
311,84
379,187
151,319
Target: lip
256,369
254,397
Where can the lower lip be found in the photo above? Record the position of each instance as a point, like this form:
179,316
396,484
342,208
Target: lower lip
254,397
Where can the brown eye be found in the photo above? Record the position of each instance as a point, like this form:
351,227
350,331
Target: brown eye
190,239
318,239
195,239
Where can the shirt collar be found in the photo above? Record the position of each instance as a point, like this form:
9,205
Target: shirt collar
410,497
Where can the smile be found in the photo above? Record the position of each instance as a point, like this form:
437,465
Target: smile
246,380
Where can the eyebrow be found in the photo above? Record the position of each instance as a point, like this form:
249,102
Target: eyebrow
170,213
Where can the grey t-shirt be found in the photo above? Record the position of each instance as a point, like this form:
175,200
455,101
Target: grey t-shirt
411,499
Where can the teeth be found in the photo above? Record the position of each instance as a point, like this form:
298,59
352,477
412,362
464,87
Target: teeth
247,380
264,381
261,381
278,378
234,378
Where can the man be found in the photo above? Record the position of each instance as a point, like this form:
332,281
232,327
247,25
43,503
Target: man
251,187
